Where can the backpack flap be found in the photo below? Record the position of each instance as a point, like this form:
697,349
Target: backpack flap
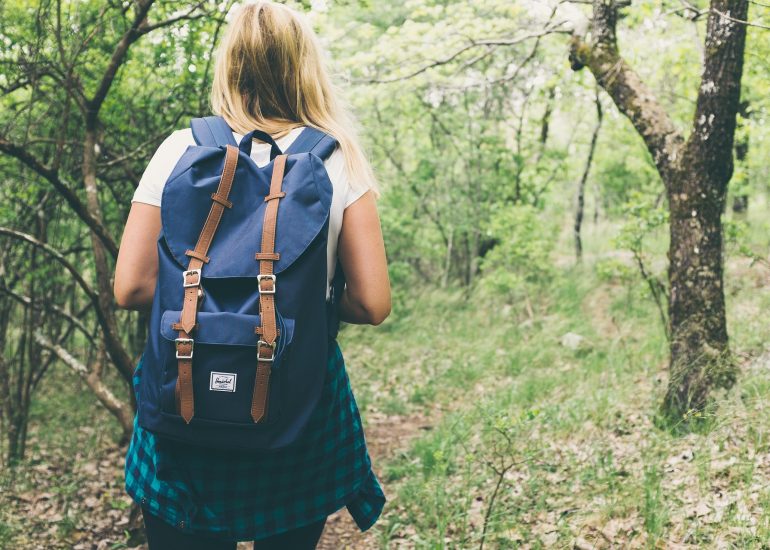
227,329
303,213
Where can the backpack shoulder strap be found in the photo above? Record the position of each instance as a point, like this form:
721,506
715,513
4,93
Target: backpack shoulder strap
212,131
313,140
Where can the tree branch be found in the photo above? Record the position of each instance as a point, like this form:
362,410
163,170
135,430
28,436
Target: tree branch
26,301
187,16
118,57
55,254
20,153
119,409
549,29
627,90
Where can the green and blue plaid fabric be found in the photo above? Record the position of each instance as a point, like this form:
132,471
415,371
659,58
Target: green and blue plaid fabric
244,497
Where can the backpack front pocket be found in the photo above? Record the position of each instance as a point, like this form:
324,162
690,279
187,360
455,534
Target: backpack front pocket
224,366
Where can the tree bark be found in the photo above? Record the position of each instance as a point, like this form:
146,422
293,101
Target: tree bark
696,173
700,354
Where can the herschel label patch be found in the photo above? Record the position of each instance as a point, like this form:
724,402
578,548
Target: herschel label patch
222,381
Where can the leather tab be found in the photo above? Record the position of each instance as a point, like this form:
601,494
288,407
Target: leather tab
186,405
273,196
197,255
189,309
261,392
221,200
272,256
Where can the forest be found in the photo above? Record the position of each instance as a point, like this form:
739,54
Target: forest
574,199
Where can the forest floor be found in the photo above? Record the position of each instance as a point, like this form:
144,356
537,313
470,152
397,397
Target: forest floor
524,421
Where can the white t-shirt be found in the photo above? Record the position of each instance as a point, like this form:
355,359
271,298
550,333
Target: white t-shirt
150,188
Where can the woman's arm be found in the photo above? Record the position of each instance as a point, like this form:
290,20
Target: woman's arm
366,299
137,267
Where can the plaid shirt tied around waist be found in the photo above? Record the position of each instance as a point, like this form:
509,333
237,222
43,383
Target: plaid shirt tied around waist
244,497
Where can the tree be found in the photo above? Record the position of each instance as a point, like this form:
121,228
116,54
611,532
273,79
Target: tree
78,117
579,207
696,171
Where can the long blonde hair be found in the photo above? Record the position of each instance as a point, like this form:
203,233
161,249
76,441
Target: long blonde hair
269,74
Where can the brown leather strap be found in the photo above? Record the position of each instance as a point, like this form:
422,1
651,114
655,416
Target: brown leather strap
192,285
261,387
266,282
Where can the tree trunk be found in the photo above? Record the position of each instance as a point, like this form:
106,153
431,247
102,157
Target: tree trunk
583,179
700,357
699,344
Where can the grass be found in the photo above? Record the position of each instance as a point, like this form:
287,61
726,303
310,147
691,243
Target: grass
592,469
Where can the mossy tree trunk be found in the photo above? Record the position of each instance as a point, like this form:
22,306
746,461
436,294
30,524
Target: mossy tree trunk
696,171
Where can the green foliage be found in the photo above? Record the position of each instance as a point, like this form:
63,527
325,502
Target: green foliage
478,147
625,178
521,260
615,270
645,216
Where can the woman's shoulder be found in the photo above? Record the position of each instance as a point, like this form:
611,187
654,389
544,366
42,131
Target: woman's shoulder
172,147
150,187
181,136
337,169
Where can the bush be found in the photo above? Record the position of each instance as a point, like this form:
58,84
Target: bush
520,261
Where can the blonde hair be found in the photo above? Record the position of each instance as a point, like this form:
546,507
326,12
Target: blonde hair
270,75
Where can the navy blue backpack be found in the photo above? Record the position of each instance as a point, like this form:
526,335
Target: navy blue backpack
240,323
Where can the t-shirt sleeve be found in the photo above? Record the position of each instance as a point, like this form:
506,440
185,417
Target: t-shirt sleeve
337,169
150,188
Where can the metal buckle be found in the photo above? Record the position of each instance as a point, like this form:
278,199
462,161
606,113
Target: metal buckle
191,272
262,343
178,341
262,276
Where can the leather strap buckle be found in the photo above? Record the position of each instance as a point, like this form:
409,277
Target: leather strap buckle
191,272
262,277
260,345
183,341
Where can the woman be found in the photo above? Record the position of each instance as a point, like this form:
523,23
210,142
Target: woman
269,75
